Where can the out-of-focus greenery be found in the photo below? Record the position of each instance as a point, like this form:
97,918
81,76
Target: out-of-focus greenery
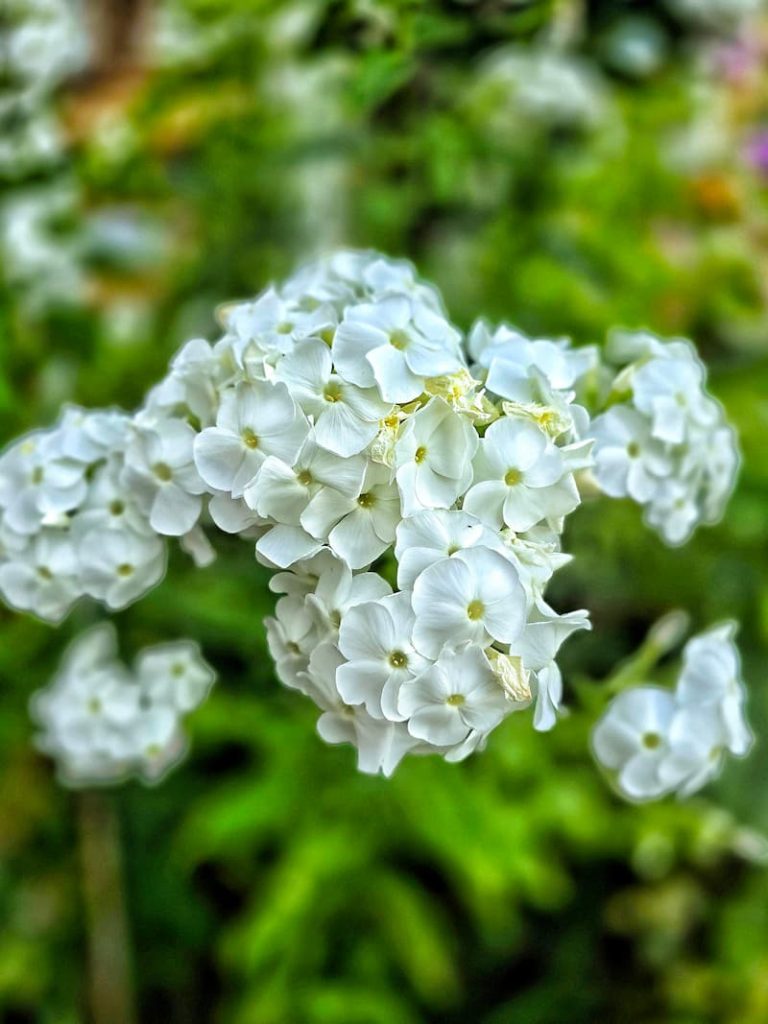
268,882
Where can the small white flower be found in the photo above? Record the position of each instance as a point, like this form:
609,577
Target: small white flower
376,638
428,536
282,492
474,596
292,635
174,675
520,477
456,695
160,471
711,678
346,417
337,590
358,529
632,739
254,420
628,460
190,386
118,566
433,457
381,745
43,577
35,483
395,344
671,393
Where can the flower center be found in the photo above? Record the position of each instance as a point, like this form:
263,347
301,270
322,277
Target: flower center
327,335
332,391
292,647
285,328
651,740
633,449
398,659
162,471
366,500
420,454
116,507
44,573
249,438
126,569
304,477
455,700
399,340
177,669
37,475
475,610
512,477
94,705
452,549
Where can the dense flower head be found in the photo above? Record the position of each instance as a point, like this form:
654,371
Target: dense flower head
103,723
656,741
665,441
407,485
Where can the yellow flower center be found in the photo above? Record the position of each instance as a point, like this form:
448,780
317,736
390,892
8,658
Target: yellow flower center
420,454
398,659
249,438
475,610
513,477
456,700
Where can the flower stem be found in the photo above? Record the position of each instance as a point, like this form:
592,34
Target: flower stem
110,981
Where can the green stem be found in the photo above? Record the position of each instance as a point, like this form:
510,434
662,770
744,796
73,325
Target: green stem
110,981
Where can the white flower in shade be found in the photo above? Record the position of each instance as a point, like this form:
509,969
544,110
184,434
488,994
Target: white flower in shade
711,680
337,590
376,638
118,566
160,472
517,366
109,504
395,344
537,647
426,537
42,577
433,457
628,460
292,635
520,477
190,387
720,458
673,510
632,739
157,741
303,577
474,596
358,529
696,750
281,491
36,484
381,745
456,695
346,417
281,546
86,436
273,325
537,555
174,676
671,393
254,420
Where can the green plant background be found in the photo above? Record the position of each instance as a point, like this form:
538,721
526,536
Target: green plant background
268,882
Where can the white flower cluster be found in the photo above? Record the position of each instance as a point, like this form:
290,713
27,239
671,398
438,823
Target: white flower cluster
665,441
340,425
657,742
72,519
102,723
407,485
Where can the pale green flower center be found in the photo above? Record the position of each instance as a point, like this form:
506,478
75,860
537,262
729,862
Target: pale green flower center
399,340
456,700
125,569
512,477
475,610
37,475
332,391
304,477
366,500
162,471
250,440
420,454
651,740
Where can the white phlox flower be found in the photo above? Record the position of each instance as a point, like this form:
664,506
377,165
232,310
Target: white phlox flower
254,420
376,638
520,477
474,596
346,417
428,536
394,345
433,457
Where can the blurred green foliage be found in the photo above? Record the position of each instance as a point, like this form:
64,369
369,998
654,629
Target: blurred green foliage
268,882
